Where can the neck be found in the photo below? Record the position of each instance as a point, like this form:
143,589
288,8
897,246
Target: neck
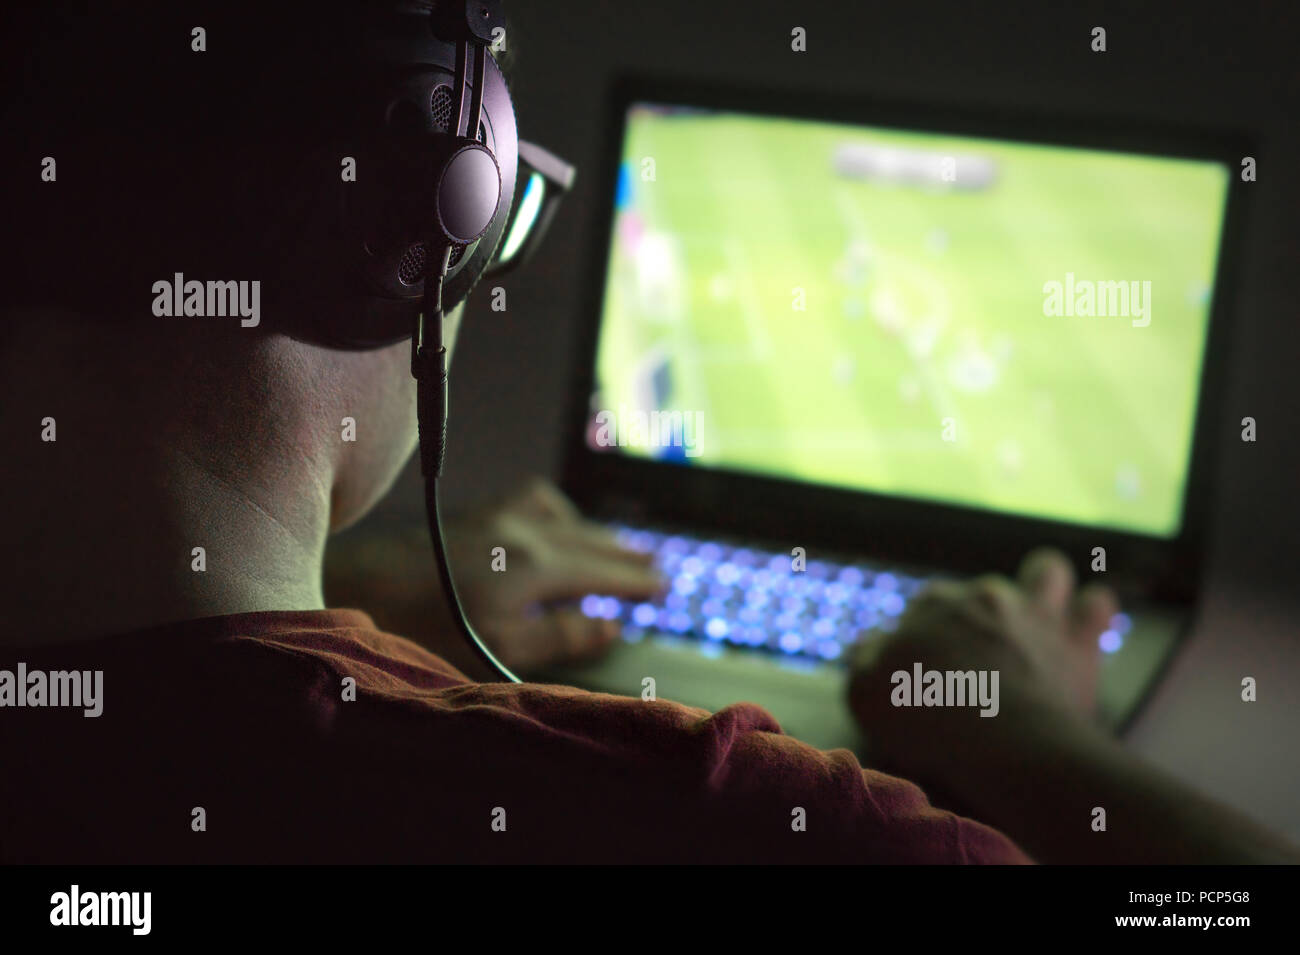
132,557
107,521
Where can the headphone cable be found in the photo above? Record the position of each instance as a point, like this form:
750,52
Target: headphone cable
429,367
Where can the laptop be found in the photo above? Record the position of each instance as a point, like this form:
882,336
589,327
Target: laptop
836,348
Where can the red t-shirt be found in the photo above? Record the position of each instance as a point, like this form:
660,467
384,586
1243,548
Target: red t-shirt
248,718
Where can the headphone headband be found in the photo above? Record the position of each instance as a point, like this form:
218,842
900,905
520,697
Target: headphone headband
475,21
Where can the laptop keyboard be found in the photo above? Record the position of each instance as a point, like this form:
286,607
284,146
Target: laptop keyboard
724,595
751,598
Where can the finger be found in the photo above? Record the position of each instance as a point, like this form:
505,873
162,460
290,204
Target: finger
540,498
599,539
559,636
994,593
1094,607
937,591
1048,579
579,573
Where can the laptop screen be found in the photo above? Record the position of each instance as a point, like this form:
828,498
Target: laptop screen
1003,325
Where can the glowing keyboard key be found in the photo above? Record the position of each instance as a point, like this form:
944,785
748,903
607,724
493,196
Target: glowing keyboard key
850,577
692,565
676,545
642,541
866,618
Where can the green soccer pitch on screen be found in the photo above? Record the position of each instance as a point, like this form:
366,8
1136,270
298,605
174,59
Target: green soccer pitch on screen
1001,325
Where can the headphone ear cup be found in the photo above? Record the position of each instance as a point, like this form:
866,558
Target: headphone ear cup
395,258
354,269
502,138
394,215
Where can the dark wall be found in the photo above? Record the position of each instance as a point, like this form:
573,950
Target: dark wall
1234,65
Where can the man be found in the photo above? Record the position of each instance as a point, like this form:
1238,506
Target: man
173,484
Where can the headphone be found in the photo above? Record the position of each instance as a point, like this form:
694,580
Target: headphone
400,252
465,202
438,159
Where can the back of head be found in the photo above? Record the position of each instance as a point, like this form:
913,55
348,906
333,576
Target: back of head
207,139
146,136
151,139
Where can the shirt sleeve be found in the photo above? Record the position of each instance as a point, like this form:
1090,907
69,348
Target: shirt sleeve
681,783
843,811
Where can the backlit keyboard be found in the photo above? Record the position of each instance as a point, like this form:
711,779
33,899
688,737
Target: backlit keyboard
757,599
725,595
